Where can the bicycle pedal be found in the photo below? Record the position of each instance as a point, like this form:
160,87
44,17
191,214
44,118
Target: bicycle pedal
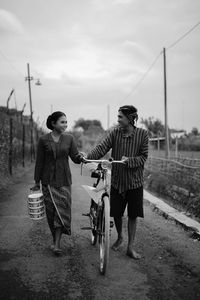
86,228
86,215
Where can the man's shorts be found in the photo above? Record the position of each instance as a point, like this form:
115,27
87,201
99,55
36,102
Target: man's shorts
133,199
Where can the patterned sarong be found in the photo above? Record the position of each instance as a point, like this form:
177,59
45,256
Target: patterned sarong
58,208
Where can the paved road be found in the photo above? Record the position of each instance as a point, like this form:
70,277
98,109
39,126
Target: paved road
169,268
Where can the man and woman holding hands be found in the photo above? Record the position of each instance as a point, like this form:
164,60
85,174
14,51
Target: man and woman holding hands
126,142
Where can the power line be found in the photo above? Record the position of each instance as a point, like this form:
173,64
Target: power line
183,36
11,65
155,60
143,77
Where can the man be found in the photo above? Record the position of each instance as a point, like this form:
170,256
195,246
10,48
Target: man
130,144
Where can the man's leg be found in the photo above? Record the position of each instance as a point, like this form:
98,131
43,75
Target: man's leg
132,224
117,208
135,209
118,225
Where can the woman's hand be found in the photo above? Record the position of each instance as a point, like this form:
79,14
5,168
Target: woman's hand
84,160
36,187
82,157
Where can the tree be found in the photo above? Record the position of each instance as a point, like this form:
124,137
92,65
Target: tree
195,131
86,124
94,130
154,126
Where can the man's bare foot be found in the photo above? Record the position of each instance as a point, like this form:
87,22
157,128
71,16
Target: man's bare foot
133,254
116,244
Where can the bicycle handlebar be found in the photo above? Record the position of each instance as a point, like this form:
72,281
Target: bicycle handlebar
103,161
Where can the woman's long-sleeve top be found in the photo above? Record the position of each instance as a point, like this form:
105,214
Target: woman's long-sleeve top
52,161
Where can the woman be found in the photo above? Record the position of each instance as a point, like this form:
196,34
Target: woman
53,172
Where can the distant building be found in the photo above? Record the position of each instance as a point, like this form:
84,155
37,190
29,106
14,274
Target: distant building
177,134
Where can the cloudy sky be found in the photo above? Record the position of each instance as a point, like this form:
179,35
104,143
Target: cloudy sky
90,54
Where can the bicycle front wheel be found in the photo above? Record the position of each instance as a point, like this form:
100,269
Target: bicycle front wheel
104,235
93,232
93,220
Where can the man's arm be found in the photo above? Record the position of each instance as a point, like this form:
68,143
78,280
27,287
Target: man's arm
138,161
100,150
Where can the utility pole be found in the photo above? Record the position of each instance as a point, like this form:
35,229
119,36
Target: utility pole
9,99
22,111
29,78
165,107
15,100
108,116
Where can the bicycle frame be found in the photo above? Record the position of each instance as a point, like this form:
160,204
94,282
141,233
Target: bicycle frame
100,219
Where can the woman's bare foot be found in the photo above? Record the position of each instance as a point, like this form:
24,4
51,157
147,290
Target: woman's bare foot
133,254
116,244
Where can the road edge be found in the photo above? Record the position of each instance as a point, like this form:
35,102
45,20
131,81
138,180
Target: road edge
171,213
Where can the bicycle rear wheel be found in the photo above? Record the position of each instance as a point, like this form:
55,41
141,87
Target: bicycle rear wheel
104,240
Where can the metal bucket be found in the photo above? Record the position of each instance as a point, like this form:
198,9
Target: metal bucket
36,209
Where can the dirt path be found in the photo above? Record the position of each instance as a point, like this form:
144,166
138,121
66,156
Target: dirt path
169,269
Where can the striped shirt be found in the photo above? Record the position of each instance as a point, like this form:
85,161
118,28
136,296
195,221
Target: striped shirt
135,147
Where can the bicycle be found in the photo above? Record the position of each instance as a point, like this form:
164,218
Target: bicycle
99,214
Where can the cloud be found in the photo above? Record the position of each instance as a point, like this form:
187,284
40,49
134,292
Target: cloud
9,23
83,61
133,45
77,70
102,4
96,51
122,1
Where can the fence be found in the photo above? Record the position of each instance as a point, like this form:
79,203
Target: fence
188,146
183,172
17,147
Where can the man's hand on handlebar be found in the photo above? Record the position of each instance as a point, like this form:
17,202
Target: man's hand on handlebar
124,159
